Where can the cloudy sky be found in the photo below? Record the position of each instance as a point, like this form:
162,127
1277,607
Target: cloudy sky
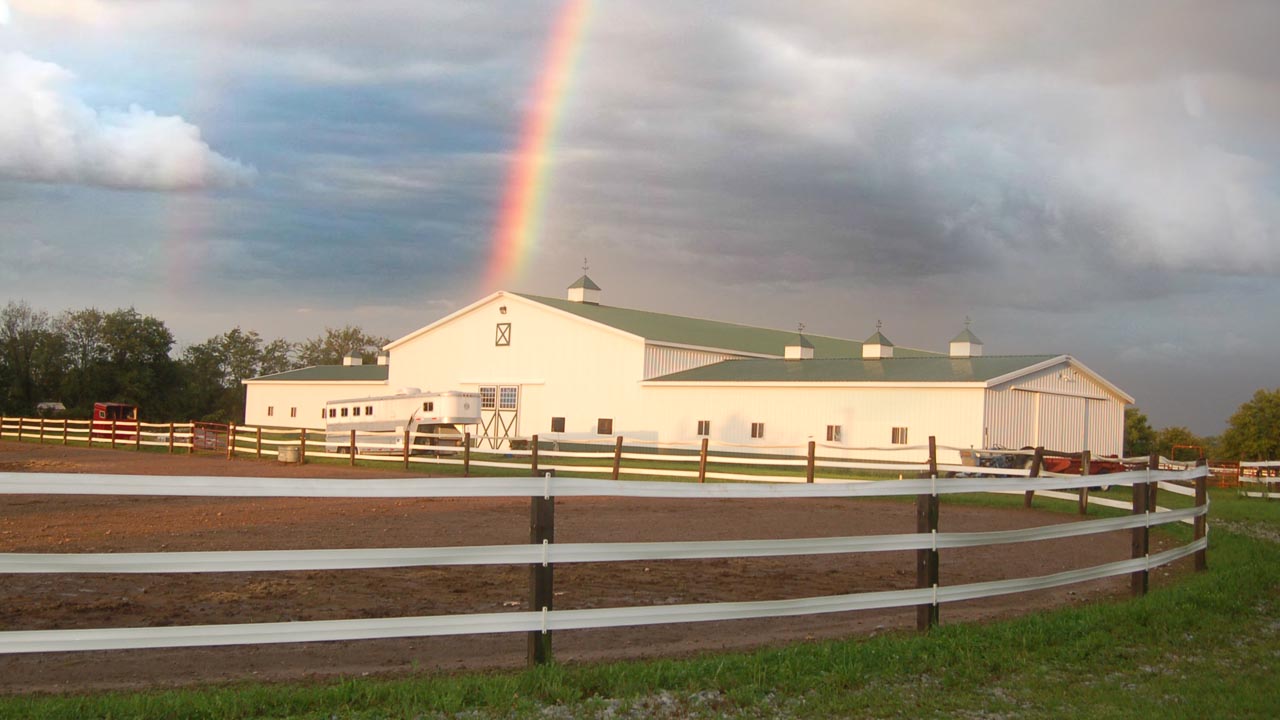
1095,178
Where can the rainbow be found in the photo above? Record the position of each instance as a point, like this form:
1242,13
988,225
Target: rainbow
520,214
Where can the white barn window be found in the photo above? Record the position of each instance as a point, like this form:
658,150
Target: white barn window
507,398
488,397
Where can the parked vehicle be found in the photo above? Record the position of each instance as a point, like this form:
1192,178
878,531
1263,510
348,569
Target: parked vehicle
120,418
444,416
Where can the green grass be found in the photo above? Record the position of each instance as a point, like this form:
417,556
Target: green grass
1206,645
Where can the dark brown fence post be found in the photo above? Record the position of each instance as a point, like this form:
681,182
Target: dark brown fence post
302,447
617,457
466,454
170,438
702,462
1140,541
42,431
1202,499
257,446
534,458
1037,461
137,434
808,472
64,431
19,428
351,448
927,559
542,531
406,448
1083,501
113,434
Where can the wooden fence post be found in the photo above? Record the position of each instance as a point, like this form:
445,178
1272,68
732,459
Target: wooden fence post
702,462
41,430
1140,537
1201,524
542,531
927,559
19,428
808,470
170,438
617,457
64,430
113,434
1083,501
406,448
137,435
1037,461
302,447
351,448
257,450
466,454
534,457
231,440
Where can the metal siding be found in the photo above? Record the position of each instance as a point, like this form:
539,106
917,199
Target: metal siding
1048,409
661,360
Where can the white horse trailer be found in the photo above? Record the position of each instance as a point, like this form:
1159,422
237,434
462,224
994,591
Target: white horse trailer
380,423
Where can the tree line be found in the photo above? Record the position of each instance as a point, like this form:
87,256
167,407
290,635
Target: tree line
80,357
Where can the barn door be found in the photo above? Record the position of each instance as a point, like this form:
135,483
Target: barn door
499,414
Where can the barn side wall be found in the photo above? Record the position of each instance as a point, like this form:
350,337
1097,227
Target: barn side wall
1060,408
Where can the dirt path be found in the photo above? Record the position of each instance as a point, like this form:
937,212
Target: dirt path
36,523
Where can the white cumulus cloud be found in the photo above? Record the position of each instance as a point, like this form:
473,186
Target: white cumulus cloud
49,135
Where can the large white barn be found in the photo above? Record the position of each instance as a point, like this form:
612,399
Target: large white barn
573,369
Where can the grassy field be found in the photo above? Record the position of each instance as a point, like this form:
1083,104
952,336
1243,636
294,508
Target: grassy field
1207,645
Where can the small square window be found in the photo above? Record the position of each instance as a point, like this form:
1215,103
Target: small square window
604,426
757,430
293,412
557,424
355,411
368,409
271,410
704,428
899,436
502,336
333,412
507,398
344,412
833,433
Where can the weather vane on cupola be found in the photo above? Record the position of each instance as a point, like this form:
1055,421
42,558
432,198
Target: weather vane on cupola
585,266
878,325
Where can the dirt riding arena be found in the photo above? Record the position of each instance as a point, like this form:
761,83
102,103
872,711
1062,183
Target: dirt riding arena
35,523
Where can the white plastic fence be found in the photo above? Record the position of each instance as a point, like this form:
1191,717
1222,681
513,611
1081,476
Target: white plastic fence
1261,477
114,433
545,619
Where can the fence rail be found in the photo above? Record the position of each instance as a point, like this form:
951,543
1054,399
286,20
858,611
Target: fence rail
542,553
114,433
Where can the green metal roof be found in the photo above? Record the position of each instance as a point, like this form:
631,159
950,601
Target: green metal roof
676,329
878,339
331,373
895,369
967,335
585,283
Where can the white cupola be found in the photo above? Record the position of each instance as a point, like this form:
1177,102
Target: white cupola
800,349
966,344
877,346
584,291
352,358
384,358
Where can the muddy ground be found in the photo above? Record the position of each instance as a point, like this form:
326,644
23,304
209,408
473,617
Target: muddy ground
36,523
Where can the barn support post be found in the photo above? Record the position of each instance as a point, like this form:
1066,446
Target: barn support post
927,559
113,433
617,457
406,448
808,468
542,532
170,438
351,448
1201,523
702,462
534,457
1037,461
1083,501
466,454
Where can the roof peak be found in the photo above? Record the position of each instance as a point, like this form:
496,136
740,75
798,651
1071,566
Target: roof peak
584,283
